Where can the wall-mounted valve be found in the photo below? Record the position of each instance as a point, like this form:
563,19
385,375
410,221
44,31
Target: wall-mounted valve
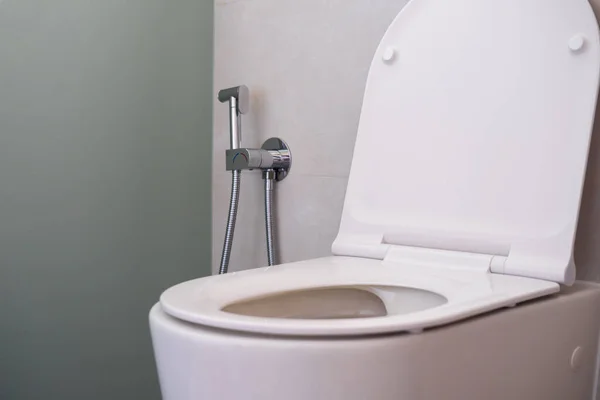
274,155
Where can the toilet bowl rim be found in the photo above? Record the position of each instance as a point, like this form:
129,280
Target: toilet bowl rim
468,293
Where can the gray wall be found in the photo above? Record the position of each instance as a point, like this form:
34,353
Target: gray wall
105,148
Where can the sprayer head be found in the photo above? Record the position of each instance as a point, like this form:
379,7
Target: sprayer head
240,93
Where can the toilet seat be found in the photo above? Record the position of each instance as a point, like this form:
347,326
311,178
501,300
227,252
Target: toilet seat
468,292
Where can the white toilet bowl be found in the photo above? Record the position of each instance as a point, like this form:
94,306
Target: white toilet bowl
462,200
542,349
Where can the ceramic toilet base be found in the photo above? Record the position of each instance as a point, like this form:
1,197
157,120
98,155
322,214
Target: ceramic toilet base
543,349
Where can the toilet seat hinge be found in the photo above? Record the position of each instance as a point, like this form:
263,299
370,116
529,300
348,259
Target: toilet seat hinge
436,258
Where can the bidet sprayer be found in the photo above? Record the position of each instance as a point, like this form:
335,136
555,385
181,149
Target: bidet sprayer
273,158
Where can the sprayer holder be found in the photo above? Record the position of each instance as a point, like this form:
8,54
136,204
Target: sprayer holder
274,154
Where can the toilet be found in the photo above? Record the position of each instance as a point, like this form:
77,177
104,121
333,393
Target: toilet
452,276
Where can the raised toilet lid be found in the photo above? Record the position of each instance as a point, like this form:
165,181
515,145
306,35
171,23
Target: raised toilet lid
474,134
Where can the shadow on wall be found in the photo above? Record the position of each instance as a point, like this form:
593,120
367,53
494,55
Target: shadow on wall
587,243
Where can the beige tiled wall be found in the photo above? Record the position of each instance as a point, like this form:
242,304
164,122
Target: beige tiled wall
306,64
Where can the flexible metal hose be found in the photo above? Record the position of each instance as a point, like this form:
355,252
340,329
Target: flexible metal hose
269,177
229,230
